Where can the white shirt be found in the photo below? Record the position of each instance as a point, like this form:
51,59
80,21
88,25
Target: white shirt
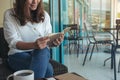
14,32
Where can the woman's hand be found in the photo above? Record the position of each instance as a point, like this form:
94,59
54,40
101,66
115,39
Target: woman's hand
58,41
41,43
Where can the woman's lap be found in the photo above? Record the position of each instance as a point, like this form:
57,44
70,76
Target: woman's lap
37,60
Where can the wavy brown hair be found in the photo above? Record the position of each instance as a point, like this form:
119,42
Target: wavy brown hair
24,14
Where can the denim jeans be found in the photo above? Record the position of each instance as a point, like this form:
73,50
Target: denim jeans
36,60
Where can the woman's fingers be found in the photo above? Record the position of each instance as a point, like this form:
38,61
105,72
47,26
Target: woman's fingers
56,42
59,40
42,42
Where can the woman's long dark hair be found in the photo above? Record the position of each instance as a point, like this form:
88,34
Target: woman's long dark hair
24,14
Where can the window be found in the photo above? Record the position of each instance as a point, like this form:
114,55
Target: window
100,14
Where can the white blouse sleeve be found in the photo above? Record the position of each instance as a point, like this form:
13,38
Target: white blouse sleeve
47,24
10,29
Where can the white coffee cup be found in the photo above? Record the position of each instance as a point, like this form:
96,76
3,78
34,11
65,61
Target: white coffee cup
22,75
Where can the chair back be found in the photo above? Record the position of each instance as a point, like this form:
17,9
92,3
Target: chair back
3,45
118,23
74,31
89,33
117,32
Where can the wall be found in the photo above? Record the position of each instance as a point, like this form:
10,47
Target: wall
4,4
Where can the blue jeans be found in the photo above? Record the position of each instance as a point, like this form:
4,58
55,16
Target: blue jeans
36,60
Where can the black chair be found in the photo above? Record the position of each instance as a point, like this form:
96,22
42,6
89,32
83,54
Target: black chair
119,66
73,38
118,39
116,31
5,69
93,40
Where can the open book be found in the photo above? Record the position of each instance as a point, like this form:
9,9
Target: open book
54,36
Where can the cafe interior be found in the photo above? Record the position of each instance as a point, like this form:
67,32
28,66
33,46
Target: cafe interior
91,48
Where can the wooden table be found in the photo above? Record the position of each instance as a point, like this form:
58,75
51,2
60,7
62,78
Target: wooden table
70,76
67,76
109,28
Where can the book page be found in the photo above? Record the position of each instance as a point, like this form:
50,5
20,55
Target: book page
66,30
54,36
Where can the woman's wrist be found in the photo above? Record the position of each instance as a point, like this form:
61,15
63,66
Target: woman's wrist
26,45
35,45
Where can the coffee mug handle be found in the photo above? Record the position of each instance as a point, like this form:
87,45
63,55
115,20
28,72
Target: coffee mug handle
11,75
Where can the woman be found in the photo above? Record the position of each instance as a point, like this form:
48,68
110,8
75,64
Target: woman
25,28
